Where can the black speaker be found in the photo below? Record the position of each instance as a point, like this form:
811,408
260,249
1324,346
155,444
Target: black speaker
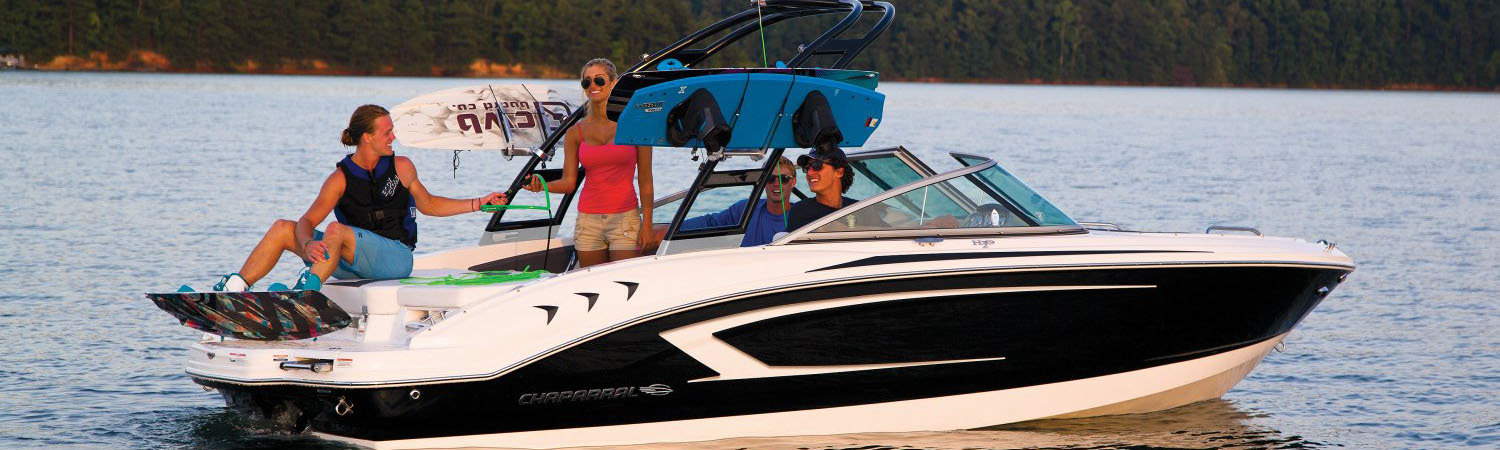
813,125
698,117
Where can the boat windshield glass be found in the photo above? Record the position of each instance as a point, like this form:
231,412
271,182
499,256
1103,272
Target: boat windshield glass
989,198
873,176
1029,200
713,208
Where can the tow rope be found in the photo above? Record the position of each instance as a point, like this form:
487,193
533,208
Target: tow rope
477,278
545,194
760,20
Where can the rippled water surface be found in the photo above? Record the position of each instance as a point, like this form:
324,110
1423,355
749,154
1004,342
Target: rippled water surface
118,184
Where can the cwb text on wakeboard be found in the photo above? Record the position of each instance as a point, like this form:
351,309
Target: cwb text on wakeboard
522,114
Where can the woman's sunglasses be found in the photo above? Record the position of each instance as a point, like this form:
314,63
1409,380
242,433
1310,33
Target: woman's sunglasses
597,80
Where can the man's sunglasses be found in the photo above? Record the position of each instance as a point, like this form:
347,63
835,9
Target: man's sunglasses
597,80
784,179
812,164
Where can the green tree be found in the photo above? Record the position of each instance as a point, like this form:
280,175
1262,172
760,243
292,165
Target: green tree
1354,43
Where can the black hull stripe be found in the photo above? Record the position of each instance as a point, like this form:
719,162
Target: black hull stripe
900,259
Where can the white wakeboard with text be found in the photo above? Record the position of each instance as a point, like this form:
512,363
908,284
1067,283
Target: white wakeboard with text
484,117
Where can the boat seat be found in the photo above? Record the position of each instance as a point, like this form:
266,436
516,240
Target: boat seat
377,296
447,297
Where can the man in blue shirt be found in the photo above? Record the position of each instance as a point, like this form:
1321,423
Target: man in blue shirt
766,219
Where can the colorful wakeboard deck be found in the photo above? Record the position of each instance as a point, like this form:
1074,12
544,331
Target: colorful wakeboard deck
258,316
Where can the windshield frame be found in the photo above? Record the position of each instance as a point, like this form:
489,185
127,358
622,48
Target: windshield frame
806,234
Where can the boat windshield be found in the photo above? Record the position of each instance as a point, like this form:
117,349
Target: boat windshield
986,198
875,175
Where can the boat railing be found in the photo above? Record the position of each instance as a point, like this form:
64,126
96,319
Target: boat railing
1213,228
1102,226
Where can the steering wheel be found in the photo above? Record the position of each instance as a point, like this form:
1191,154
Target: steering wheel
989,215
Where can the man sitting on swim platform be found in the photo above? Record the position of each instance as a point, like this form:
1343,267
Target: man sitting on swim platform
375,196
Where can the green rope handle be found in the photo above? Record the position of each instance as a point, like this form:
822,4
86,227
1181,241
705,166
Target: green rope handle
545,193
476,278
761,21
786,210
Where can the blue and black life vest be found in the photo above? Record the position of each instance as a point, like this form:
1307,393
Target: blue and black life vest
377,202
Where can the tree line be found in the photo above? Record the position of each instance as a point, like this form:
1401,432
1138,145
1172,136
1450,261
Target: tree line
1329,43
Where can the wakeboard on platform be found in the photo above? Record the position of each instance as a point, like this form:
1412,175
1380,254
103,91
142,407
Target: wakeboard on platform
258,316
743,108
484,117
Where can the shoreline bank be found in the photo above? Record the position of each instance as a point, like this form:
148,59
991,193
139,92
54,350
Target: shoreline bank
141,61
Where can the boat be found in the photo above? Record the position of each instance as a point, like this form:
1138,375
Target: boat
844,325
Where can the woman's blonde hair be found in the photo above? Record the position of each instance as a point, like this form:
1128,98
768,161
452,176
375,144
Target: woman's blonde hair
609,69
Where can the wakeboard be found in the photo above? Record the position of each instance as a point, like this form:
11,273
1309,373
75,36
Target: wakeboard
628,84
758,104
484,117
257,316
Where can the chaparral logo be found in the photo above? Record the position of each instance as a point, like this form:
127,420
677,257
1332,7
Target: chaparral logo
649,107
656,389
586,395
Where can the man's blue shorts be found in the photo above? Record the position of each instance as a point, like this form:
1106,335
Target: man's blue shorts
375,257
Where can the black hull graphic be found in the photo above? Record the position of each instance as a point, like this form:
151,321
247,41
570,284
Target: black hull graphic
1009,339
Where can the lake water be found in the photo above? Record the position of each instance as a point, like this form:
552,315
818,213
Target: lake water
125,183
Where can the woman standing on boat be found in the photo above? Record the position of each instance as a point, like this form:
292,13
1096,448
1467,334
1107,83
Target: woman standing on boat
610,213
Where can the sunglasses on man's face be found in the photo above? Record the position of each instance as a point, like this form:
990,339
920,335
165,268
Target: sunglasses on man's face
784,179
597,80
812,165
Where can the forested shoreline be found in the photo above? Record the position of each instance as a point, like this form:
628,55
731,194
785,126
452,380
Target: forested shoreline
1435,44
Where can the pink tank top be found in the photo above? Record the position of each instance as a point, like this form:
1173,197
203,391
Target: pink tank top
609,178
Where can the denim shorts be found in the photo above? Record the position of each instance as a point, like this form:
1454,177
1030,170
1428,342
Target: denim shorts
375,257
